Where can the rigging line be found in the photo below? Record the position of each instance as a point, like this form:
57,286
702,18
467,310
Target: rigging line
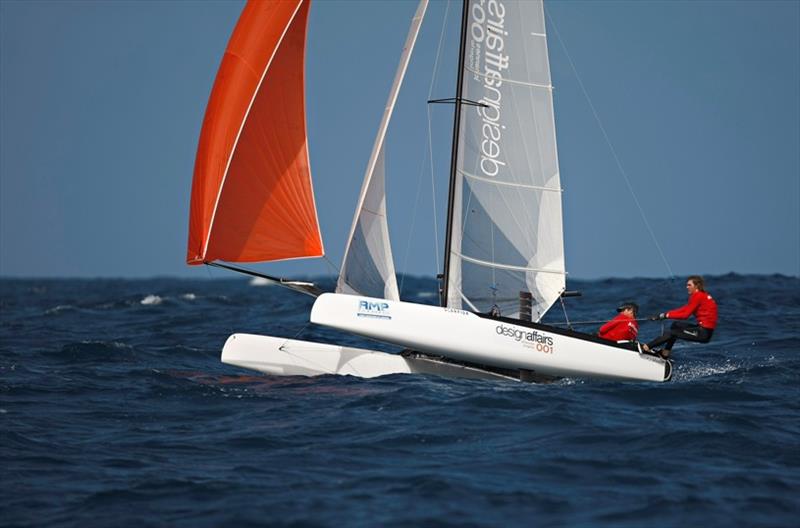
593,322
433,196
231,329
288,353
610,146
413,219
465,102
332,265
427,149
564,307
434,78
299,331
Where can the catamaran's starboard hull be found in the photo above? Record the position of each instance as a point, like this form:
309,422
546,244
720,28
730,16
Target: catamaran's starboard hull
495,342
289,357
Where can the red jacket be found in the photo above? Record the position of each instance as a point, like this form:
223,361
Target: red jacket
620,328
702,306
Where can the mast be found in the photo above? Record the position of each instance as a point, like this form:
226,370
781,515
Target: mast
454,152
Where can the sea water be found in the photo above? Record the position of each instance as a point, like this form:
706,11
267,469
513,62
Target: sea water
115,410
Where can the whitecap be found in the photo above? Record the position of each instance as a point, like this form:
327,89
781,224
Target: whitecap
118,345
260,281
151,299
704,371
58,309
189,296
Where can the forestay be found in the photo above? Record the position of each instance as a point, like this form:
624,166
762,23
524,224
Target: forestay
368,267
506,233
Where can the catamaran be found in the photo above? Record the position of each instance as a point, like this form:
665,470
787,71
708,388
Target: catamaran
253,201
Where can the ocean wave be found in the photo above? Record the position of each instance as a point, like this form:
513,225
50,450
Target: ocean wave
695,372
97,345
59,309
260,281
151,300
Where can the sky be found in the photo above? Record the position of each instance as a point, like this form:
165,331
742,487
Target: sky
678,128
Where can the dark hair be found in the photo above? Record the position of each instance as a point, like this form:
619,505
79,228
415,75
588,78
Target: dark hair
632,305
698,282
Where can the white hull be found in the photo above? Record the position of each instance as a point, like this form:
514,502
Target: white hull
467,337
290,357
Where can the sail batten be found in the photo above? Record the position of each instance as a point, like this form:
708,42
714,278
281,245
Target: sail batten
252,195
500,265
512,81
510,184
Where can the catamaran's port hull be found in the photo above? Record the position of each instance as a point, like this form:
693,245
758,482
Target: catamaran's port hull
495,342
289,357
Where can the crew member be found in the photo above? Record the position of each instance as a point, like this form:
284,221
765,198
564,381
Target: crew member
701,305
624,326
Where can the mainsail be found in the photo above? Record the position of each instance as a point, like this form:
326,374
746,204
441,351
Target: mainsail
368,267
506,237
252,197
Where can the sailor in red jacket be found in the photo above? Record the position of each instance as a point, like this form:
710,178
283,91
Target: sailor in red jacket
701,305
624,326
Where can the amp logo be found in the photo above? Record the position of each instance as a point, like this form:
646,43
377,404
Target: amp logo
374,309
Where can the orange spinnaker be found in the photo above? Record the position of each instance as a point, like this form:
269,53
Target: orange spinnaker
252,198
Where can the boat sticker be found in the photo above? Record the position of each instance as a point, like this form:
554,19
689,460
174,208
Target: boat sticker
373,309
529,338
487,63
652,359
